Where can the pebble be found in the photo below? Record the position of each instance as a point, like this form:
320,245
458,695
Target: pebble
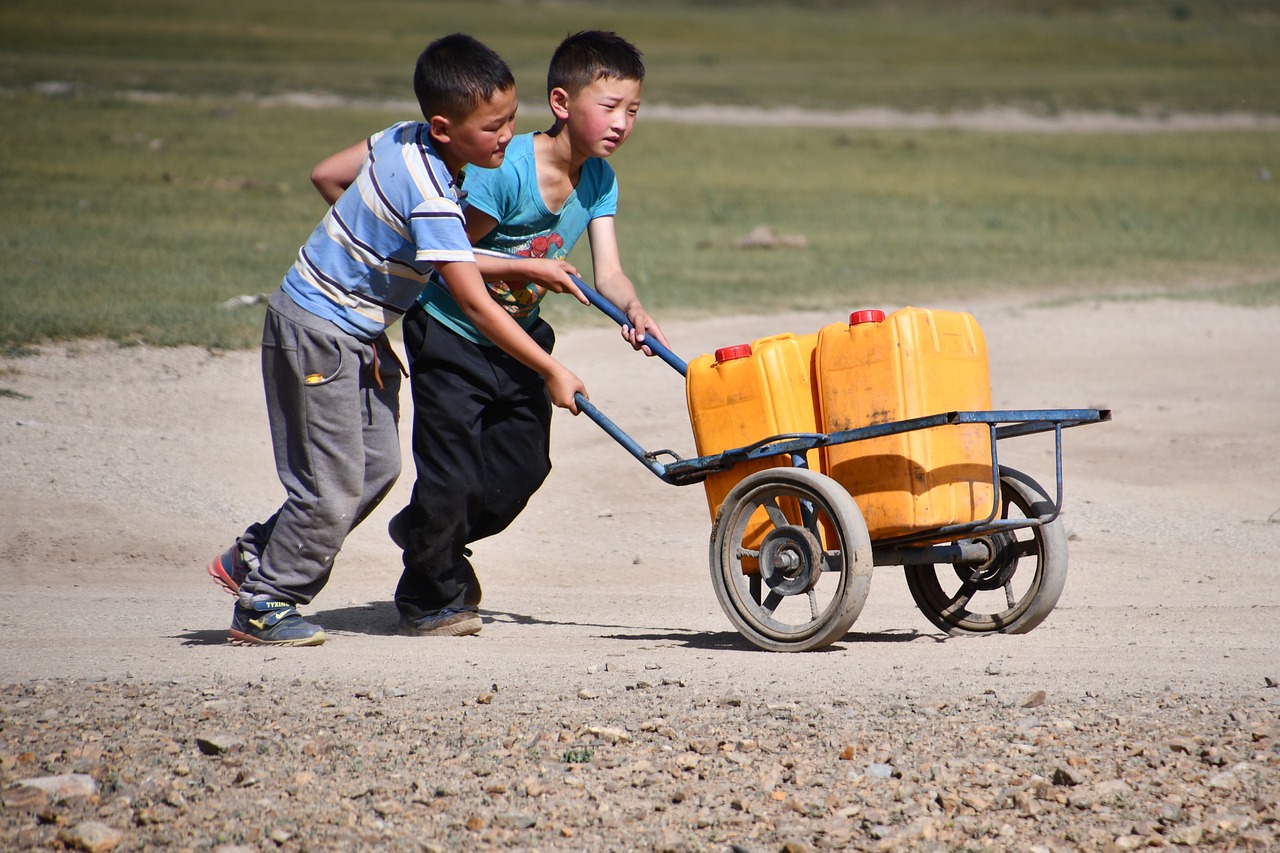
608,735
92,836
218,744
24,798
63,785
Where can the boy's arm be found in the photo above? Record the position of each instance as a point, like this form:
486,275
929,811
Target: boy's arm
551,274
613,284
468,289
332,175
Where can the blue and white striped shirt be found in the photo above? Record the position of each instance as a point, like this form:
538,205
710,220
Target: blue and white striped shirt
369,258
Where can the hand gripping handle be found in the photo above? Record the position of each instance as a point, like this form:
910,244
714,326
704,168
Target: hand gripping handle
614,313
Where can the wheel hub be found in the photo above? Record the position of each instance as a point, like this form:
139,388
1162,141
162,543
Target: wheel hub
790,560
995,571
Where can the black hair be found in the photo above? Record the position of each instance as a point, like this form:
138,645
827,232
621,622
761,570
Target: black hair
455,74
589,55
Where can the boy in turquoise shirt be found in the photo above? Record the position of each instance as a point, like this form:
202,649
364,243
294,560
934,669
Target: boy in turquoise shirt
481,422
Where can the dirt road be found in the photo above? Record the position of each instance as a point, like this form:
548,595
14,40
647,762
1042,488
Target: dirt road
127,468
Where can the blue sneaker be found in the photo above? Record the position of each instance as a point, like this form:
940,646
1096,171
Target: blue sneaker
445,623
229,569
263,622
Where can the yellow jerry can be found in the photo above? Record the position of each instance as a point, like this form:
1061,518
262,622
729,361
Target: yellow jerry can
914,362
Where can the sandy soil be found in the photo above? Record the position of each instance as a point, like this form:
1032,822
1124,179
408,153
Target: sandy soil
123,470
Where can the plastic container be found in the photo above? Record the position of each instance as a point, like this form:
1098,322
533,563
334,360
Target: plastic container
746,393
915,362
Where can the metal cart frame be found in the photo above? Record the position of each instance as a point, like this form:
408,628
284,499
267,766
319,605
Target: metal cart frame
806,582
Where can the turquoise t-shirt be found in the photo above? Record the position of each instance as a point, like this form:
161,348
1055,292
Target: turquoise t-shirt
525,229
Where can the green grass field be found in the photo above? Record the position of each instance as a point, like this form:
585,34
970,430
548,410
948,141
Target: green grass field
135,219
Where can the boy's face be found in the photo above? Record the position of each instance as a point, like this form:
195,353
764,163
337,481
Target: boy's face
481,138
601,116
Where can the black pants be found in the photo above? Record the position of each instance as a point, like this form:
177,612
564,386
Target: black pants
481,440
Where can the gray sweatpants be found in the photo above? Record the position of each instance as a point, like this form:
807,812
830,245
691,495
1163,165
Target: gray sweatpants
337,450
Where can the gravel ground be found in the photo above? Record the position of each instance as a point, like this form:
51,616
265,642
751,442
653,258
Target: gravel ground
645,763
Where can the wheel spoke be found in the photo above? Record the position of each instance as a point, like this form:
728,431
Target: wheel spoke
959,602
754,586
1009,598
776,515
771,602
1028,547
813,605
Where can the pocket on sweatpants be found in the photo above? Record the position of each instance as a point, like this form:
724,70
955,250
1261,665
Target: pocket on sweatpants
320,365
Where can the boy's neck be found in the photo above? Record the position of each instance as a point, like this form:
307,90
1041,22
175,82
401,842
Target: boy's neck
560,150
454,166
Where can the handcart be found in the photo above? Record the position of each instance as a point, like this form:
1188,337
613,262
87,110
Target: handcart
799,583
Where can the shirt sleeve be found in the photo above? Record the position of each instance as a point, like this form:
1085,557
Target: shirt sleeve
493,191
435,217
601,195
438,232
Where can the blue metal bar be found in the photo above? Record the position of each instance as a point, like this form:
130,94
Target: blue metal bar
683,472
995,476
959,531
1031,421
1057,454
615,313
587,408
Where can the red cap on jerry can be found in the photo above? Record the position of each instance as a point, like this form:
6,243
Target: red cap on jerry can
734,352
868,315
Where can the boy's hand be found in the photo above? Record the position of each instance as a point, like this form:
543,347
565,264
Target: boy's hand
468,289
642,326
554,275
562,385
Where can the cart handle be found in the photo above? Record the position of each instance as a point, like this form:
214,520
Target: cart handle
615,432
615,313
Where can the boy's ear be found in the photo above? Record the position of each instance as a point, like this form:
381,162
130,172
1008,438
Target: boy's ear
559,100
441,128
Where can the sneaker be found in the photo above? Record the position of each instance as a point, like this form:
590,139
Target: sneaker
229,569
400,536
445,623
263,622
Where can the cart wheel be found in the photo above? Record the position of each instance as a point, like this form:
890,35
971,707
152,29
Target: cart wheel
1014,590
790,559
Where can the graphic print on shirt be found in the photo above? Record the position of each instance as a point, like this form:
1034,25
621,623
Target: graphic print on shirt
519,299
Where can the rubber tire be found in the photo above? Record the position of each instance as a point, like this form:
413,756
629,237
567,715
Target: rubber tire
1041,597
729,580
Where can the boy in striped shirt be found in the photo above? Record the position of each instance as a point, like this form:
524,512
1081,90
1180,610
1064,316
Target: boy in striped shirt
332,382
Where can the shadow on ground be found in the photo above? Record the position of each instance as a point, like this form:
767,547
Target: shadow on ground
732,640
380,619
